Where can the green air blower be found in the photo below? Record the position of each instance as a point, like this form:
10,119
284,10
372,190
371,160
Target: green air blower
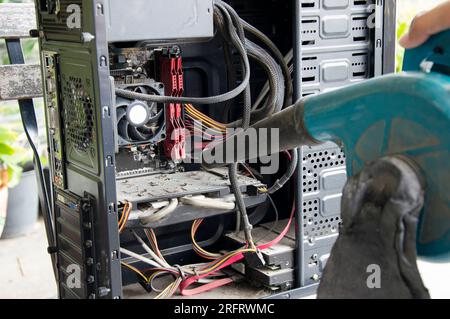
406,114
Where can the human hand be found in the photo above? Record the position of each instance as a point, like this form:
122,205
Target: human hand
427,24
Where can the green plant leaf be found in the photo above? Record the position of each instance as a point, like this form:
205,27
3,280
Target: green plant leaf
7,135
14,175
6,149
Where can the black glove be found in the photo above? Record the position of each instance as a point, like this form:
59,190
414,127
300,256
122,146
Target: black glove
375,254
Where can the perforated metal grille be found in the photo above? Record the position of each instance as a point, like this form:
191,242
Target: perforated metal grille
315,162
335,51
323,176
78,113
316,225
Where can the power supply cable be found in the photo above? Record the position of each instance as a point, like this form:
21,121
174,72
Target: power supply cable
197,248
274,102
230,259
240,48
275,208
278,57
266,88
240,203
293,164
146,219
126,211
233,21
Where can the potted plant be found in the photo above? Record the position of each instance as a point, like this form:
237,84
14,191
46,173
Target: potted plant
23,201
10,171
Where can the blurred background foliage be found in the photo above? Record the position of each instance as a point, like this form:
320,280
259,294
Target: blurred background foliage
9,113
9,110
406,10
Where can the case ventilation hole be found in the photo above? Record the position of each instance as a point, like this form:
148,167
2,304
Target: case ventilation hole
314,224
315,162
78,114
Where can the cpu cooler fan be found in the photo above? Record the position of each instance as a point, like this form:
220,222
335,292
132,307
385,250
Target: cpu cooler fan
139,121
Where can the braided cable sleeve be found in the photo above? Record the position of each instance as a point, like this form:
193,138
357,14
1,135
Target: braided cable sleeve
241,208
275,100
278,57
232,19
241,205
287,176
201,100
265,90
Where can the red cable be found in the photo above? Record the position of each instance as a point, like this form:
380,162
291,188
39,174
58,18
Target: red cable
222,282
206,287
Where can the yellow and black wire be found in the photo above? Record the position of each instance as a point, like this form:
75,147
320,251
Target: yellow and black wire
126,210
204,119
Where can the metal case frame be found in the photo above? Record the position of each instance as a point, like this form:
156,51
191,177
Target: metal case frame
333,49
84,56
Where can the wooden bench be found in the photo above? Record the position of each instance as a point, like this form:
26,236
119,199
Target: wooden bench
18,81
22,82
